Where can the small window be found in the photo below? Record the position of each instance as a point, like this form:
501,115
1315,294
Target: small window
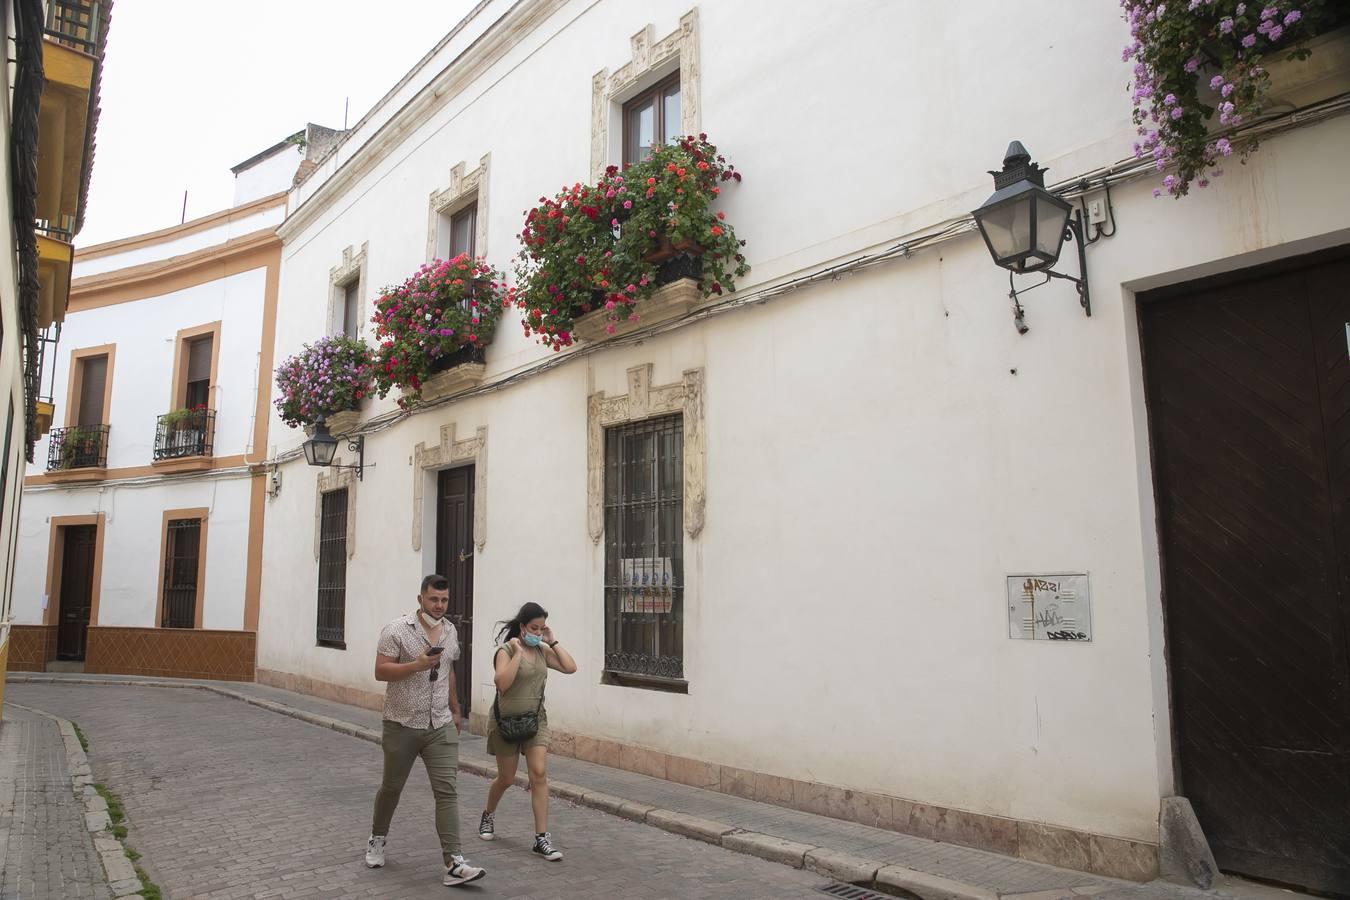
351,308
332,612
182,568
644,549
457,232
93,385
651,118
198,392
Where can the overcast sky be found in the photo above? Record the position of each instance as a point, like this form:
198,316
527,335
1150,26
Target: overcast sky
191,88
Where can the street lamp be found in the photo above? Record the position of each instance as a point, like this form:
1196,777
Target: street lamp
322,446
1025,226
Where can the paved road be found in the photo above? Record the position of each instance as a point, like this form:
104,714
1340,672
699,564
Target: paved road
226,801
45,849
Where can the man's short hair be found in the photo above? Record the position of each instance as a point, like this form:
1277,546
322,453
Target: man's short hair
435,582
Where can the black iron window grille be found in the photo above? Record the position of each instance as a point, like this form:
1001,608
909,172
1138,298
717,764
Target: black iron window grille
74,24
332,615
644,549
184,433
182,561
77,447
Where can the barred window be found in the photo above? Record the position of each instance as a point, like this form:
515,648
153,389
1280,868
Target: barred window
182,564
333,570
644,549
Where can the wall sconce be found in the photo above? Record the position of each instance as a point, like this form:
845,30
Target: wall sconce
1025,226
322,446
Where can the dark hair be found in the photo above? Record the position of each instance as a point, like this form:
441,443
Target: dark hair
434,582
528,613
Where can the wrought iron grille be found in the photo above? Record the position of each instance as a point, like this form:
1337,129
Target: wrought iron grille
644,548
182,558
77,447
187,432
74,24
333,569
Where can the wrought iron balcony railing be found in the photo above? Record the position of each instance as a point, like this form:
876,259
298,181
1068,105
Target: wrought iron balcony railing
74,23
77,447
184,433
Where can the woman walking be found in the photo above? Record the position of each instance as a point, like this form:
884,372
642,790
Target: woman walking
519,723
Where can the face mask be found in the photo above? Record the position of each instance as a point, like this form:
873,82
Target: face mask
531,640
429,621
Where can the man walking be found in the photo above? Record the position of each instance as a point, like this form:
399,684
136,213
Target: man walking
420,705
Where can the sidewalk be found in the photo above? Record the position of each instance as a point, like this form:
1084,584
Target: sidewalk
844,851
46,849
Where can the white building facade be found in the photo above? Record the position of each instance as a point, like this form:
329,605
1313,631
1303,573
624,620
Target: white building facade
879,478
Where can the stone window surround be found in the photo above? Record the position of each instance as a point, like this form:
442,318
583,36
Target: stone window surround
463,190
446,454
652,60
644,401
352,268
333,479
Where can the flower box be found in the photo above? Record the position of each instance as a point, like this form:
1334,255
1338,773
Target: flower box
1295,83
452,381
672,301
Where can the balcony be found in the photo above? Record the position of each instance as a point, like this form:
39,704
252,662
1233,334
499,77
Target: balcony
78,453
71,51
74,23
183,439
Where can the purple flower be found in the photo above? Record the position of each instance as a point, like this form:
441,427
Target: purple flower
1170,182
1225,25
1227,89
1203,182
1269,12
1293,16
1224,147
1170,100
1177,113
1192,65
1216,82
1275,33
1157,192
1249,41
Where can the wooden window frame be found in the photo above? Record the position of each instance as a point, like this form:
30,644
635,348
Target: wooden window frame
75,380
655,94
178,397
352,270
202,514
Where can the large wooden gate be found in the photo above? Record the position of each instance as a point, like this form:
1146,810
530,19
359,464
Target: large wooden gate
1248,382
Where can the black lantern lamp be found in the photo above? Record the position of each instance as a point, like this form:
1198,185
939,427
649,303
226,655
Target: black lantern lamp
322,446
1025,226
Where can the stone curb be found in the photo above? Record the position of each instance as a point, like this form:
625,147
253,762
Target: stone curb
825,861
119,870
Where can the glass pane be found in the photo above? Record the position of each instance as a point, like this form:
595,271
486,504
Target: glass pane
462,231
641,128
93,379
1050,220
670,114
1008,228
199,359
351,302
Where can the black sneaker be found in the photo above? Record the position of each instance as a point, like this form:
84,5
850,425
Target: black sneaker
543,845
487,827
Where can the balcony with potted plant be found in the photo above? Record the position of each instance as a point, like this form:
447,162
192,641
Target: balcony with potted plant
78,453
434,327
328,379
644,245
183,438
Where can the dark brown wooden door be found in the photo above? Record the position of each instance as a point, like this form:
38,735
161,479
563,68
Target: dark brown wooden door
77,589
1248,386
454,560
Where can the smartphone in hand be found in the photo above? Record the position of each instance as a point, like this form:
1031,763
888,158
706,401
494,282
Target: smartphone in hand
436,651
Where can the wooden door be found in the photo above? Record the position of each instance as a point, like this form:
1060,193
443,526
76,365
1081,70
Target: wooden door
1248,383
77,590
454,560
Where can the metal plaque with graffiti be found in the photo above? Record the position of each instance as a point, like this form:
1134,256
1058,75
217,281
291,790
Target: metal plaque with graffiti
1049,607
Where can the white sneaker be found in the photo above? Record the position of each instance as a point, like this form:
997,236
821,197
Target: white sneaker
461,872
375,851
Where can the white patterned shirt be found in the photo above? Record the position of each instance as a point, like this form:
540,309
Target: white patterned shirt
417,701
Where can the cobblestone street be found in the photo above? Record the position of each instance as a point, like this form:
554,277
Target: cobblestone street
45,849
227,800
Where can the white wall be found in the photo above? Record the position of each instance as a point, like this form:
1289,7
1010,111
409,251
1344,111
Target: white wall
145,333
178,246
875,466
133,523
270,176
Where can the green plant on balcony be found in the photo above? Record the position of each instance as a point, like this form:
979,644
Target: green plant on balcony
189,416
446,310
599,247
79,447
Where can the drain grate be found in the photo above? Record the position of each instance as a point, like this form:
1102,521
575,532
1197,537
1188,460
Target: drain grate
851,892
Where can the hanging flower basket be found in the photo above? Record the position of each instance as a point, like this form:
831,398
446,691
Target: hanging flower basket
326,378
597,251
439,318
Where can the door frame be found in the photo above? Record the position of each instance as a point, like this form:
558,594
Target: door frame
466,687
56,545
